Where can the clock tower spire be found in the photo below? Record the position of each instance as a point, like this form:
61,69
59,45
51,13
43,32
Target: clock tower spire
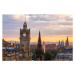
25,38
25,25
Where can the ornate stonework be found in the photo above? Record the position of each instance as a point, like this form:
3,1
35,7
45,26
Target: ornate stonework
25,39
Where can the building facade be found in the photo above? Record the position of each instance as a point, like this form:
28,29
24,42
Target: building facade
25,40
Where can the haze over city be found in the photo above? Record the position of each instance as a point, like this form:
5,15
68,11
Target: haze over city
53,27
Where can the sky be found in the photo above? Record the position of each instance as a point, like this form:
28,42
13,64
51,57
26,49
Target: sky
53,27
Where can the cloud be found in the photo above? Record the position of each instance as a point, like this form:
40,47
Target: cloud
48,24
57,31
52,17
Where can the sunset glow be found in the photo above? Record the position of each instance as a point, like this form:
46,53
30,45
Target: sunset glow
45,38
52,27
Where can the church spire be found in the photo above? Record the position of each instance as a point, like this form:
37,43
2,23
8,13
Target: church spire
39,41
67,38
67,42
59,42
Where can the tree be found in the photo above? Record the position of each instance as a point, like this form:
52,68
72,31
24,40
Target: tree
50,54
39,53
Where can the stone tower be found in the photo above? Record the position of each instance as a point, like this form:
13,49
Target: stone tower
39,41
43,46
25,38
39,51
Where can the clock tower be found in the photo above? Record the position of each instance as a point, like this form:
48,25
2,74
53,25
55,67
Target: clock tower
25,39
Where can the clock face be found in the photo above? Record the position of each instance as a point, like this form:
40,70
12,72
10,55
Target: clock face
24,34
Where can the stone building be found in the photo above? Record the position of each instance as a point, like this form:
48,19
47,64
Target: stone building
25,40
39,52
5,43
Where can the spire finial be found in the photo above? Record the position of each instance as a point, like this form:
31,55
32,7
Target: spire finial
67,38
25,18
39,32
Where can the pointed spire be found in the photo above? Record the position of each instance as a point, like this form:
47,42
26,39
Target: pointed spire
67,38
59,42
39,41
39,37
67,42
39,33
25,24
